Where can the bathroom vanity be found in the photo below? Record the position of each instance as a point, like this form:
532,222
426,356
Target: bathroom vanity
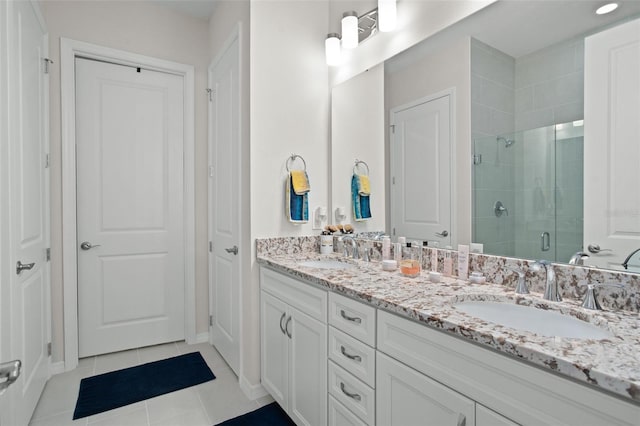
357,345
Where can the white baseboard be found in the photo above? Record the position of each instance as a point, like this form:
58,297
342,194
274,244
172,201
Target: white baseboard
57,368
252,391
202,337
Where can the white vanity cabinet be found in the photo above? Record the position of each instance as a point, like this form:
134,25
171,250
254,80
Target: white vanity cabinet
423,372
352,356
294,346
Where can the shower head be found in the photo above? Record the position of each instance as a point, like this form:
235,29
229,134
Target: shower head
507,142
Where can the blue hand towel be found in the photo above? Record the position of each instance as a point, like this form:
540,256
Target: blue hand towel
361,203
296,206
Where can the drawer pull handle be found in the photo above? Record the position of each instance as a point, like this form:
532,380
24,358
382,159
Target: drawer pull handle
462,420
353,357
284,314
286,327
344,315
350,395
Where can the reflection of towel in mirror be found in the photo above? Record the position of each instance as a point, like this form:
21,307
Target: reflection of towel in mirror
363,186
361,203
296,206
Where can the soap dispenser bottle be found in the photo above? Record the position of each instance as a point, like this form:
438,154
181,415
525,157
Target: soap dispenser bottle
411,263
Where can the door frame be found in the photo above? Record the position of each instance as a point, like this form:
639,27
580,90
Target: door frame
235,36
69,50
453,159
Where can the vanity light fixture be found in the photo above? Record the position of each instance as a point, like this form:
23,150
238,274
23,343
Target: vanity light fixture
607,8
350,30
387,14
332,49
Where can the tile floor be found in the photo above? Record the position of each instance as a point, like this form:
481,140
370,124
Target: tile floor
205,404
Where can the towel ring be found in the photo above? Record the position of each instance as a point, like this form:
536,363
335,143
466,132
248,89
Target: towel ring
359,162
293,158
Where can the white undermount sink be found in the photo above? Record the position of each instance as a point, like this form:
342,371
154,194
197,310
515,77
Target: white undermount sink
326,264
534,320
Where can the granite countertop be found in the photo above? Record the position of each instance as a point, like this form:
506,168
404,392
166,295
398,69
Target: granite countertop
611,364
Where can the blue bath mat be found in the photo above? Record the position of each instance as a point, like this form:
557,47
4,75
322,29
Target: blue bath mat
123,387
269,415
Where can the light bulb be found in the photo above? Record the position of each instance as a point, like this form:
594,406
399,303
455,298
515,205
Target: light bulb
332,49
607,8
350,30
387,14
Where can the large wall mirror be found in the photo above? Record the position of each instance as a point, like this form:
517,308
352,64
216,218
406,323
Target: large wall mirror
501,97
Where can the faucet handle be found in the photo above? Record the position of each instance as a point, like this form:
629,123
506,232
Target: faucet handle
590,300
521,287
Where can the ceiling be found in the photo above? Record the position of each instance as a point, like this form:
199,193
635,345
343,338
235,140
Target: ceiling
202,9
520,27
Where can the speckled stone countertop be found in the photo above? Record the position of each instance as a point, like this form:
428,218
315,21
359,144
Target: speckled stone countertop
612,364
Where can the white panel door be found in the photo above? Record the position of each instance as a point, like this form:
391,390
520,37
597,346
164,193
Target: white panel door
224,206
28,230
129,132
420,171
611,144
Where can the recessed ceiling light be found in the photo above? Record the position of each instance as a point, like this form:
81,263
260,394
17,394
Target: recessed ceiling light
607,8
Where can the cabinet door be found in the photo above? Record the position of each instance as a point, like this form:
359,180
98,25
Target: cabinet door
486,417
275,348
340,416
404,397
308,369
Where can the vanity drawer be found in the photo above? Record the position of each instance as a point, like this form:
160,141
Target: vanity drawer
359,398
340,416
310,300
352,355
354,318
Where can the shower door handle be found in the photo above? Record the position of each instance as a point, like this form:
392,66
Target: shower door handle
545,241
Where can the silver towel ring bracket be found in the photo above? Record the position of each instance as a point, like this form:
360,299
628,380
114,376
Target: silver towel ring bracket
292,159
358,163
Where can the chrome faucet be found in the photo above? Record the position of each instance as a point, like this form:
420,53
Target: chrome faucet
626,261
354,246
551,287
578,258
590,300
521,287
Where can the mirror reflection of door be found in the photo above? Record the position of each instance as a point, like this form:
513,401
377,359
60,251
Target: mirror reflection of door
420,170
612,106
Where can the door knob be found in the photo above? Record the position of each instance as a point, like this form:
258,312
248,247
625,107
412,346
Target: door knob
86,245
443,234
24,267
233,250
595,248
9,373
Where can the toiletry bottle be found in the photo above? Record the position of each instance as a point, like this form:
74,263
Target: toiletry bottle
386,248
397,252
411,262
448,264
463,261
326,242
434,260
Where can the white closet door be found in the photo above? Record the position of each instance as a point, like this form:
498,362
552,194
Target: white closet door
129,130
28,187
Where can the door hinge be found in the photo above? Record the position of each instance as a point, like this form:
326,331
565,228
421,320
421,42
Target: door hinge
393,128
477,159
394,231
210,171
211,320
393,180
47,254
47,63
47,161
210,93
49,349
210,246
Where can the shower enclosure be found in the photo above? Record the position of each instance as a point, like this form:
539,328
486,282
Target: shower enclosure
528,192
